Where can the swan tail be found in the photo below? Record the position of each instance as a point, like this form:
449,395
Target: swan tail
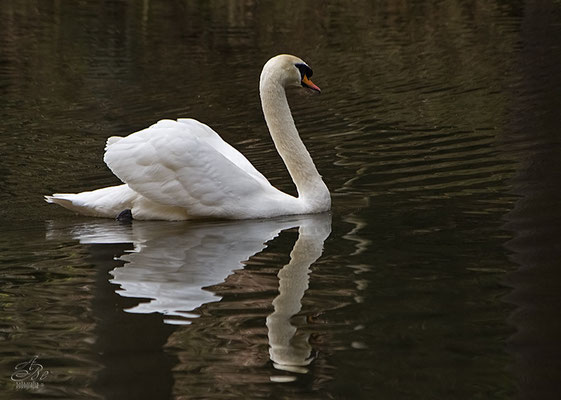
112,140
107,202
70,201
62,199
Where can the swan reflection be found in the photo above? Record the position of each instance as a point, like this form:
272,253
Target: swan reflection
287,350
172,267
172,264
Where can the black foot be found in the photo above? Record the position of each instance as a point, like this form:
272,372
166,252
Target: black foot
125,216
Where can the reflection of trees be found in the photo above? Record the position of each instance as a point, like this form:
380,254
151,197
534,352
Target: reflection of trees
434,44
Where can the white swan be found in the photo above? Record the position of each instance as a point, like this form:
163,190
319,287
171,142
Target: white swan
177,170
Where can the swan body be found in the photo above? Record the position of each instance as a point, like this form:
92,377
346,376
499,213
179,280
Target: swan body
182,169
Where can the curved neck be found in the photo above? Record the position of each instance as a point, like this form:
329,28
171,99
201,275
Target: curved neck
288,143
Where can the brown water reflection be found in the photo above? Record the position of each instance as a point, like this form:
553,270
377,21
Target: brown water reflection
535,219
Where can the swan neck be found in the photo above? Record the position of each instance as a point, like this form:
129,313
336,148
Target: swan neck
288,143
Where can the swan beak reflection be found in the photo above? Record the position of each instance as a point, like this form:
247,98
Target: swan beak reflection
307,83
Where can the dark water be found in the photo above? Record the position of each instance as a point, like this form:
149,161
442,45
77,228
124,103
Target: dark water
436,275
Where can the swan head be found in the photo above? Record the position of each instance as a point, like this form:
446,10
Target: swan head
289,71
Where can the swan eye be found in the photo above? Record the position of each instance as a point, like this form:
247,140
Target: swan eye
305,71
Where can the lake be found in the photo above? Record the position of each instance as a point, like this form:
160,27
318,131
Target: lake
435,276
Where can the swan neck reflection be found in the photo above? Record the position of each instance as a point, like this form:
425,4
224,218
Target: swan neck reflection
289,350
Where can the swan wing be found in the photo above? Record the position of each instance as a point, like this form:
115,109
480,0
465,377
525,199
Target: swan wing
206,133
186,164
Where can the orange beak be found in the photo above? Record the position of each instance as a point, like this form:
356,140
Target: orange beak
309,84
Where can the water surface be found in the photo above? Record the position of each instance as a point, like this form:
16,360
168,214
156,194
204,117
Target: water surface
434,276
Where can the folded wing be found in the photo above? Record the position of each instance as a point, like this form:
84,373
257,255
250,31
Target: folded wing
186,164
